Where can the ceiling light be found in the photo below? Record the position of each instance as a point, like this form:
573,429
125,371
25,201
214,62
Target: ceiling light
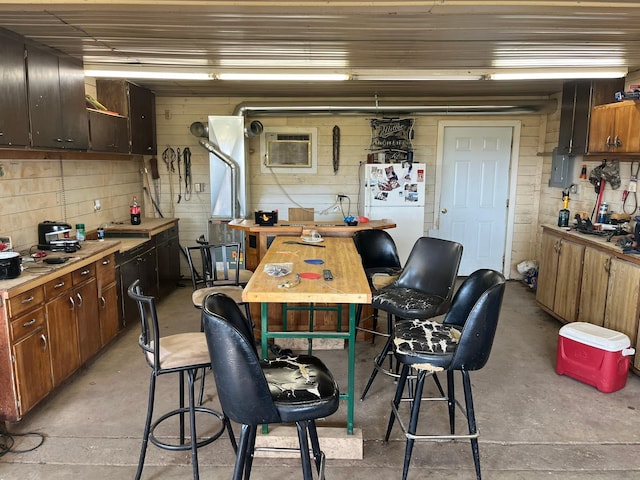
417,75
555,74
303,77
146,74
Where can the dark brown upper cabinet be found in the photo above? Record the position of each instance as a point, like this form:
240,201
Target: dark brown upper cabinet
14,116
56,101
136,103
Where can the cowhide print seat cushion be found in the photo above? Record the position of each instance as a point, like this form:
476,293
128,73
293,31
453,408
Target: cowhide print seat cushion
406,302
425,344
298,379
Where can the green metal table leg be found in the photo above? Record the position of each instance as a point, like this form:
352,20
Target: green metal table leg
351,368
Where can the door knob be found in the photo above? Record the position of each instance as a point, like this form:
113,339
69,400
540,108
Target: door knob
444,210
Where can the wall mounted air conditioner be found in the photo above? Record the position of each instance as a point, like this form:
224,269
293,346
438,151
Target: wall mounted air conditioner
289,149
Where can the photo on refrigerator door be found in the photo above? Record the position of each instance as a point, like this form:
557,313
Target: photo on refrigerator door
410,192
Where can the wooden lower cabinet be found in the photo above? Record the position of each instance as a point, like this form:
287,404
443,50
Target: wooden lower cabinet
109,322
47,332
595,285
62,328
32,362
559,277
605,282
621,313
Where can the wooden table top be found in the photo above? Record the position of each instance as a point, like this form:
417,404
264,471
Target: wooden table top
349,284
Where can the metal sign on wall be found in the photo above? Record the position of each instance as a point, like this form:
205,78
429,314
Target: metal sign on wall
391,138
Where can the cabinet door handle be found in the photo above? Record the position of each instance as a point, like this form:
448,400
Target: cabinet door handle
73,304
29,323
79,300
104,302
43,339
59,285
85,272
617,142
106,262
27,300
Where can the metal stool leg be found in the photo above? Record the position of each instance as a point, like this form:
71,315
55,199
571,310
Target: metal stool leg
147,425
413,423
471,420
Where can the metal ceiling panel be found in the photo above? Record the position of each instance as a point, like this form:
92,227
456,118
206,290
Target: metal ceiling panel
335,35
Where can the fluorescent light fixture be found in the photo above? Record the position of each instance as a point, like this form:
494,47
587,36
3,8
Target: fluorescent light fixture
419,75
555,74
302,77
150,75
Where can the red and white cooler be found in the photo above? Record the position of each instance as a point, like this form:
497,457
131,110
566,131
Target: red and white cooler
594,355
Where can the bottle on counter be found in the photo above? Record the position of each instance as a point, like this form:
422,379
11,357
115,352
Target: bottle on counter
80,233
563,214
134,210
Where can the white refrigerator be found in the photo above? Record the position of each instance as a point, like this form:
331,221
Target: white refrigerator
396,191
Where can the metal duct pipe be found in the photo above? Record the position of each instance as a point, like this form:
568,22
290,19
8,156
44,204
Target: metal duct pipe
231,163
489,107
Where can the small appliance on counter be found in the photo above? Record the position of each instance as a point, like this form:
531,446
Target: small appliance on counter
55,236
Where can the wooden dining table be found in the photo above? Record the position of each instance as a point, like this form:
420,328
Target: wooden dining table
349,286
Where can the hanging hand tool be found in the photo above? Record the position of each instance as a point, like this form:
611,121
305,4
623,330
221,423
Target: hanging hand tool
155,175
186,153
632,189
336,149
169,157
179,179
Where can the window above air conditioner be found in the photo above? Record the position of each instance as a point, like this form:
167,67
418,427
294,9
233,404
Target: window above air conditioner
289,150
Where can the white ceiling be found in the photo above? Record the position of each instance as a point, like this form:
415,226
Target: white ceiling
345,36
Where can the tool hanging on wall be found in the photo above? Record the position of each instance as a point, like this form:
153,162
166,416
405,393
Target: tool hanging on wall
188,186
631,191
179,178
147,189
169,158
336,149
155,176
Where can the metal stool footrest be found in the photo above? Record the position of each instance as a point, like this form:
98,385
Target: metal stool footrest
439,437
186,446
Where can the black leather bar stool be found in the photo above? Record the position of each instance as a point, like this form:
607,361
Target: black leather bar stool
423,290
184,354
382,266
252,392
462,342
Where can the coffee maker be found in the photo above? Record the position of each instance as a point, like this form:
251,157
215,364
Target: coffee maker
55,236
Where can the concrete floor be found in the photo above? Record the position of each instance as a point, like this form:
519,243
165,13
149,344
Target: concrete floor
533,423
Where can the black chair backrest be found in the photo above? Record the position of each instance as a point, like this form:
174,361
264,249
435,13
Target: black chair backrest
468,293
150,335
432,267
219,264
242,388
478,332
377,249
224,306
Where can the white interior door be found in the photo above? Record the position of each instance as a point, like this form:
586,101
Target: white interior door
474,193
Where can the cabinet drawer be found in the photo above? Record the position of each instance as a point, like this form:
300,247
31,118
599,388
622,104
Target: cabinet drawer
59,285
25,301
84,273
167,234
106,270
26,324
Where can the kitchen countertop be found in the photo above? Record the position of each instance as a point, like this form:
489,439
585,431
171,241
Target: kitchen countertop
119,237
594,240
38,273
295,227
